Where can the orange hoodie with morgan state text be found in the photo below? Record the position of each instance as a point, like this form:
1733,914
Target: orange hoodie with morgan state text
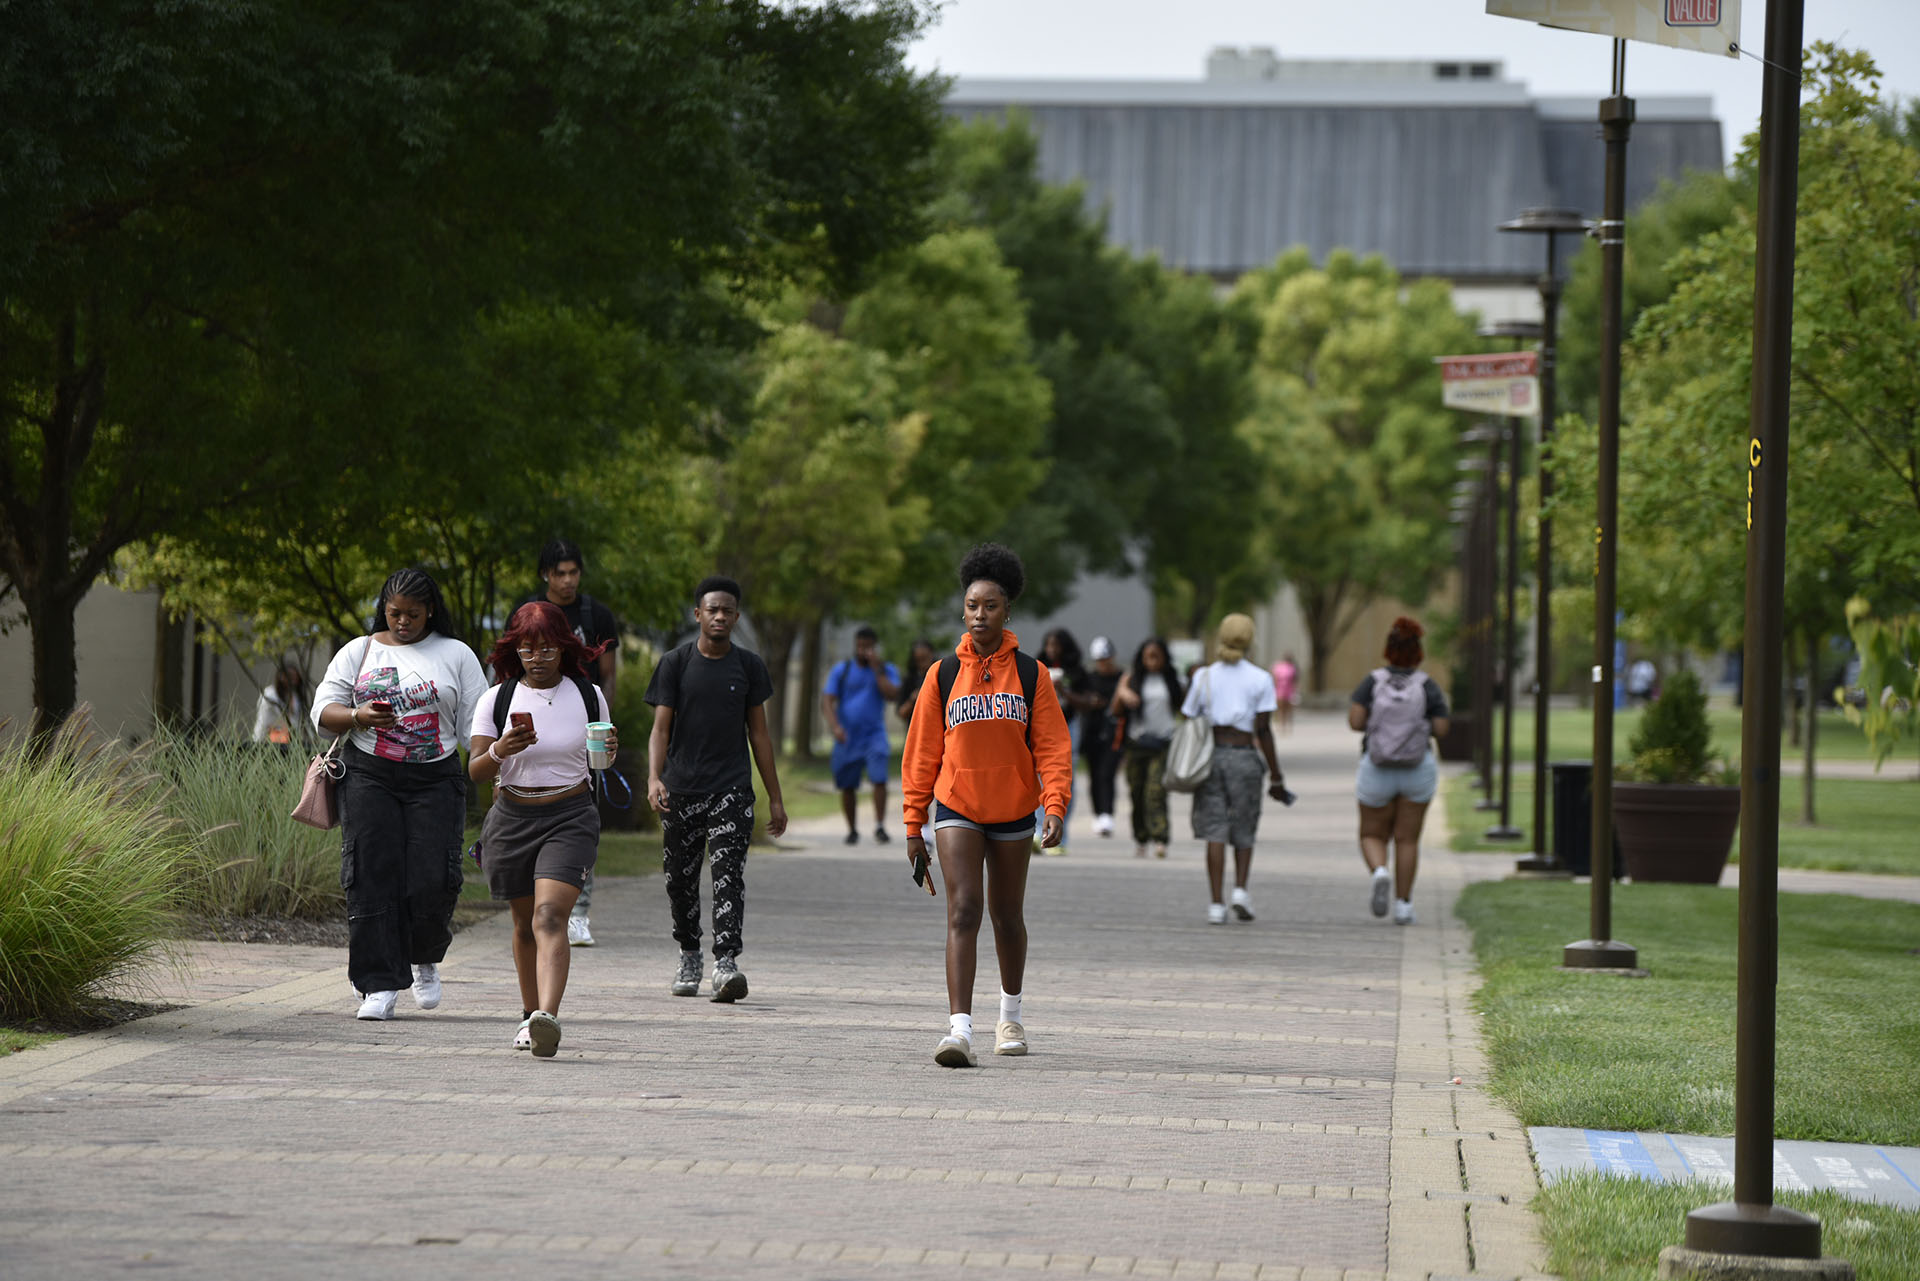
972,754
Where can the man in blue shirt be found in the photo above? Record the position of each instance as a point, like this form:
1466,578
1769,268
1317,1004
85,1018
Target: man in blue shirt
859,691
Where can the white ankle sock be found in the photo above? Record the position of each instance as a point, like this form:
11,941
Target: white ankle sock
1380,872
1009,1007
960,1025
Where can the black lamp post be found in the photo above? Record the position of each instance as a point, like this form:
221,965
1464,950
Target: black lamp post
1482,483
1505,830
1549,223
1482,572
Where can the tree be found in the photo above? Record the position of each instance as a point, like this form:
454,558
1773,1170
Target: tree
813,507
1853,518
947,315
1358,454
237,245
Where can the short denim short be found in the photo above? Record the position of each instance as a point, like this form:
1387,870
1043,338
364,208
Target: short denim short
1377,785
1017,829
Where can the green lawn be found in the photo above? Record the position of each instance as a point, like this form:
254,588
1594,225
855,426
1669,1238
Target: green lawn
13,1041
1866,825
1657,1054
1570,735
1599,1228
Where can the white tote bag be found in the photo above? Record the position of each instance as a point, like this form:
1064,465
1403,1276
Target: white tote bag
1190,756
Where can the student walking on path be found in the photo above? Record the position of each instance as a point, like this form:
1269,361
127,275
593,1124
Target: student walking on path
1097,733
709,698
404,696
1398,710
854,704
562,566
1147,695
1238,698
986,744
542,833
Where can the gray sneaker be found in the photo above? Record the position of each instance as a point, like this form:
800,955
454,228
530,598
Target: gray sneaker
729,984
686,979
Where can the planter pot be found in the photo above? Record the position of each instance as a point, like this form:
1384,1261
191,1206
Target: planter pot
1457,743
1675,832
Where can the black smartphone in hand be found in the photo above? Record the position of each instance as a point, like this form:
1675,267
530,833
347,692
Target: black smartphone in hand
920,867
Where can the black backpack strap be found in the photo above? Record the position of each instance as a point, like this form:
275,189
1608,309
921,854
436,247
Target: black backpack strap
1028,668
949,673
503,703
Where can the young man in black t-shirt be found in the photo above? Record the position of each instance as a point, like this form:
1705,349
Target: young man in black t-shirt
709,698
561,568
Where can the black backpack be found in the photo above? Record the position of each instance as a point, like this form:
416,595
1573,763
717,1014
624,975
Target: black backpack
1025,664
503,700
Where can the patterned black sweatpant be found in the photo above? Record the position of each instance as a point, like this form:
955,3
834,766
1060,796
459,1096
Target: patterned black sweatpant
717,826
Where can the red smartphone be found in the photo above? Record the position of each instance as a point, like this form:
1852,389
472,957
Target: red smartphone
380,706
521,720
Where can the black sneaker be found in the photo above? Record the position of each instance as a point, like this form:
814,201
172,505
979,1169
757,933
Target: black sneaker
880,836
729,984
686,979
853,838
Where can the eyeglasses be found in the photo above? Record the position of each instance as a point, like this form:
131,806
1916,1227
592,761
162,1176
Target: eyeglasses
550,651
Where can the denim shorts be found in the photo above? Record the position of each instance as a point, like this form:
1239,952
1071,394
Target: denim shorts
1018,829
1377,785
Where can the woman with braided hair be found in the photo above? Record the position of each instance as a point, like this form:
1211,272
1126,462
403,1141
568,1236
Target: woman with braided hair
404,696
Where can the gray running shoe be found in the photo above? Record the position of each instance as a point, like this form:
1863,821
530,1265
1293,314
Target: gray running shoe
729,984
686,979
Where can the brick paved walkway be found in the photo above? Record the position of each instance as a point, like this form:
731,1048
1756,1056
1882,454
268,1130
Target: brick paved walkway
1271,1099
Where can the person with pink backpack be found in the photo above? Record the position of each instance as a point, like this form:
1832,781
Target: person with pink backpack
1398,708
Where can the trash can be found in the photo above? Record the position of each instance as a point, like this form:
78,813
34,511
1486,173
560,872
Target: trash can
1573,819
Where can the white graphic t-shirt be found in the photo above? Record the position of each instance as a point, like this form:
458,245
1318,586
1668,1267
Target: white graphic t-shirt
433,684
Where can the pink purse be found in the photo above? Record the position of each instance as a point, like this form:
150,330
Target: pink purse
318,806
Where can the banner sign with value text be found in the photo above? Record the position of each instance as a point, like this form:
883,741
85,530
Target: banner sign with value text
1705,26
1504,384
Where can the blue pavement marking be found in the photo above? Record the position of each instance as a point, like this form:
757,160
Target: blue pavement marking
1621,1152
1883,1174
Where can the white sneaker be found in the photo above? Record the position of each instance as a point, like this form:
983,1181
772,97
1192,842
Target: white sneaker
1242,903
1216,913
578,933
377,1006
1403,911
426,986
1382,891
955,1051
1103,825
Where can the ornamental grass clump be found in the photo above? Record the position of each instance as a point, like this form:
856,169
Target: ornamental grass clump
232,799
1673,743
91,873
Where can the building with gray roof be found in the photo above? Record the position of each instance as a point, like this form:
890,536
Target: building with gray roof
1415,161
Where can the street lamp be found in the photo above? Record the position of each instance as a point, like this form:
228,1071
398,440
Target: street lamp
1548,223
1505,830
1482,552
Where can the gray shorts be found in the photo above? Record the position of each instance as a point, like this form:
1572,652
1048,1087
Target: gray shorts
523,843
1227,806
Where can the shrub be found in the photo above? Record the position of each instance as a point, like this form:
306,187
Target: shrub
1674,743
232,798
90,872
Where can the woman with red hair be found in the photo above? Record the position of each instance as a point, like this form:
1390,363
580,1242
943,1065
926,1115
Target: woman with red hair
542,834
1399,709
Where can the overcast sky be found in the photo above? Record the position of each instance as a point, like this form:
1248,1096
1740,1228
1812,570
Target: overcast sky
1169,40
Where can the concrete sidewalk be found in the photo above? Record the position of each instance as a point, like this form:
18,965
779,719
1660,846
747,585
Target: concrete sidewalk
1272,1099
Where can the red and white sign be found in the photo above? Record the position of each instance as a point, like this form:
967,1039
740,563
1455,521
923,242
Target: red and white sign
1705,26
1508,383
1693,13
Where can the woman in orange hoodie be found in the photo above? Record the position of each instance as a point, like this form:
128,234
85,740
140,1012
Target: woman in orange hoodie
975,768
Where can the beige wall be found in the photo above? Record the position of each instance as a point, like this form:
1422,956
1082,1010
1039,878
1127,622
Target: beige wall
1280,629
118,632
